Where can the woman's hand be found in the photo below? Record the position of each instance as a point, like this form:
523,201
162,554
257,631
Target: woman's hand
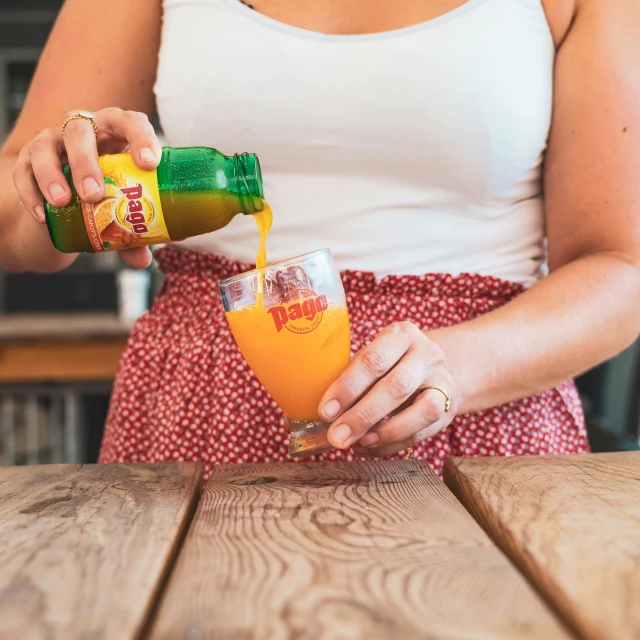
382,402
38,171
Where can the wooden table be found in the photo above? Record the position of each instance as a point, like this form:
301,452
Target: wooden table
344,550
572,525
60,348
84,550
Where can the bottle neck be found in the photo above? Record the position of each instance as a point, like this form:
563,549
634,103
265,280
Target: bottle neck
248,179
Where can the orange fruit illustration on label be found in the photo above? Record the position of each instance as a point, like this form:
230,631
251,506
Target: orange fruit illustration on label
103,213
111,190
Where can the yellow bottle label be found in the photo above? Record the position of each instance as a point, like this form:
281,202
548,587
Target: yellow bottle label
130,214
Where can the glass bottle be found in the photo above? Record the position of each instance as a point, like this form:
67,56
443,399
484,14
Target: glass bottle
194,190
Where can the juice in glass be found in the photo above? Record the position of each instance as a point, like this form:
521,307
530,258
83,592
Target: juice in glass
291,324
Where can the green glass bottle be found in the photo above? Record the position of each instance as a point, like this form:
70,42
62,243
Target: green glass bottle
194,190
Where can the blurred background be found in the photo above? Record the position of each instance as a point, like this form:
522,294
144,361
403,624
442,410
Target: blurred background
61,335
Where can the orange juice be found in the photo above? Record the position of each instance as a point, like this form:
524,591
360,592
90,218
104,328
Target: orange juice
264,220
296,350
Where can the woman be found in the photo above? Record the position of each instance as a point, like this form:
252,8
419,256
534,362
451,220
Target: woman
414,139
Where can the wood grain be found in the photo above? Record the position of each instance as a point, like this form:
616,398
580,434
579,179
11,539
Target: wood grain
84,550
60,361
343,550
572,524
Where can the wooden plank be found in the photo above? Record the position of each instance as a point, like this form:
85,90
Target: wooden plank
60,361
572,524
75,326
343,550
84,550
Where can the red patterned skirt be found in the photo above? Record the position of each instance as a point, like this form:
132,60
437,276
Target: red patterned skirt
184,391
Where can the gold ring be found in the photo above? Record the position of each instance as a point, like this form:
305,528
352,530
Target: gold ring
447,402
82,115
410,453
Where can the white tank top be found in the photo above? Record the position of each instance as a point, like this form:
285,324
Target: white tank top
412,151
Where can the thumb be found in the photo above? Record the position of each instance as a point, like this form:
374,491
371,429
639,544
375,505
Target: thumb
138,257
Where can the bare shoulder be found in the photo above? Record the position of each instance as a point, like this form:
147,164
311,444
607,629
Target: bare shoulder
605,16
98,55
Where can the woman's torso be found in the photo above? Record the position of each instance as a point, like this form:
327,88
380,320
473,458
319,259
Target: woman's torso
412,151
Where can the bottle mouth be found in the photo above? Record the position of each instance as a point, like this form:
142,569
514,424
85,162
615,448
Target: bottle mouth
248,177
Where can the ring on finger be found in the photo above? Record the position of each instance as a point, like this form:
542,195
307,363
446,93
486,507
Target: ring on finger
82,115
447,401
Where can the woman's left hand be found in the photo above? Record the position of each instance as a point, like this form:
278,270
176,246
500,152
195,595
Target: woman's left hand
382,403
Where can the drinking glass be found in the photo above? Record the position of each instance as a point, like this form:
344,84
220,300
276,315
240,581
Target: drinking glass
291,324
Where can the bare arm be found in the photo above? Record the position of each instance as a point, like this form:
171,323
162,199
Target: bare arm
97,56
585,312
589,308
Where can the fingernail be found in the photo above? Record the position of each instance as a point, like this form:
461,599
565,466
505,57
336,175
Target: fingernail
90,186
56,191
340,434
38,213
147,155
369,440
331,409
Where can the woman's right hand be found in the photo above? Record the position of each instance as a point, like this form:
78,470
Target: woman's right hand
38,171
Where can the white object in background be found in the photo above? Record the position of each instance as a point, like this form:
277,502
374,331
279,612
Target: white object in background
105,260
133,294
